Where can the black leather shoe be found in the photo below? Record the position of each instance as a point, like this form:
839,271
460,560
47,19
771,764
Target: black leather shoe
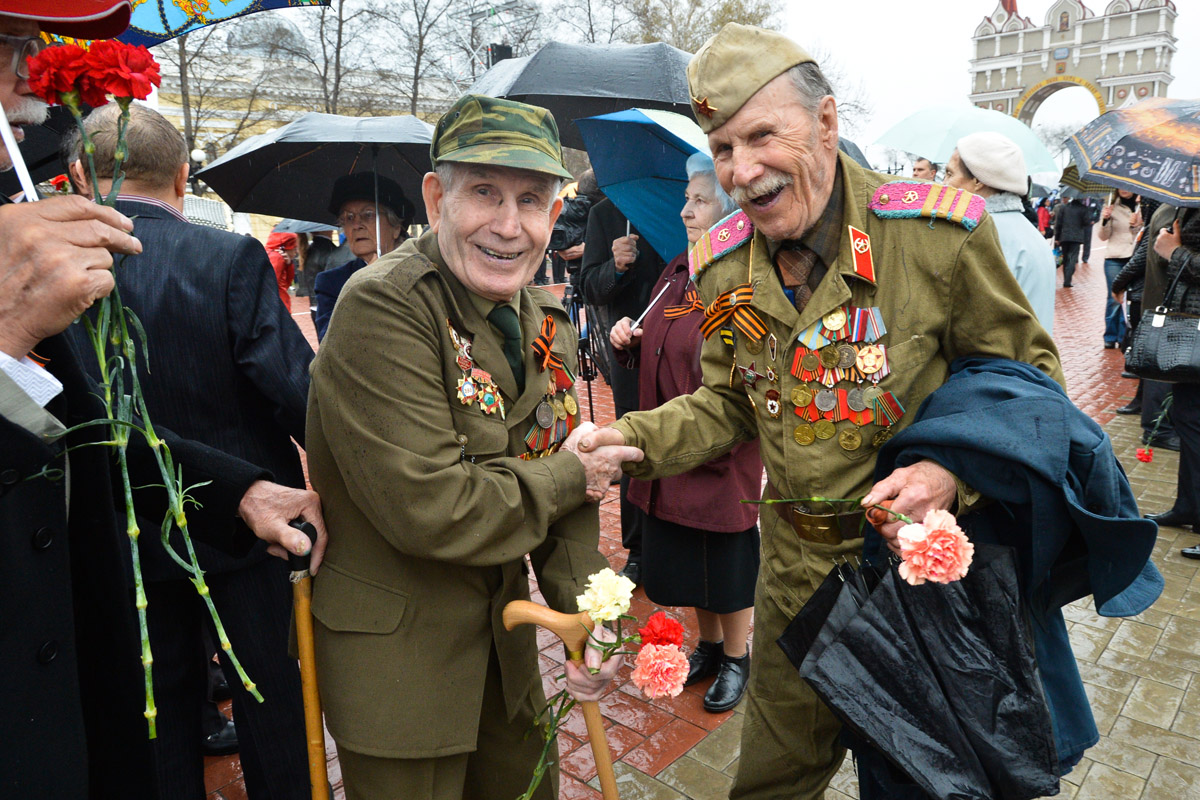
1133,408
1167,443
222,743
705,661
1110,345
730,685
633,571
1190,552
1127,374
1172,519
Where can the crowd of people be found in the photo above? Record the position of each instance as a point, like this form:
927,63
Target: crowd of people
818,306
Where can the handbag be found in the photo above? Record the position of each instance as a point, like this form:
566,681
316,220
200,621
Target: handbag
1166,344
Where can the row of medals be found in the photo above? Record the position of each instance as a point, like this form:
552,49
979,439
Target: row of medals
869,359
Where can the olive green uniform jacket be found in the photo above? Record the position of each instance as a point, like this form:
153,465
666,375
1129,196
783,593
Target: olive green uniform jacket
430,513
943,291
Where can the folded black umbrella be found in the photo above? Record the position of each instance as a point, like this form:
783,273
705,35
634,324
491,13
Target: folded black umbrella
41,149
939,679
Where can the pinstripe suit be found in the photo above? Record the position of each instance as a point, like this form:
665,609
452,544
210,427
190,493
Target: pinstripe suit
227,367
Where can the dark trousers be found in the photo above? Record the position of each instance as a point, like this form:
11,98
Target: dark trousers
1153,393
1070,251
1114,317
1185,411
255,608
631,517
1087,246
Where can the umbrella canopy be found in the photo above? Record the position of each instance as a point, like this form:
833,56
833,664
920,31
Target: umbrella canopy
157,21
40,149
1152,149
1079,187
639,157
588,80
300,226
1038,190
934,133
290,171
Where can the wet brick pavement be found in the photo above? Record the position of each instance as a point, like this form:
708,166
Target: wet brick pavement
1140,673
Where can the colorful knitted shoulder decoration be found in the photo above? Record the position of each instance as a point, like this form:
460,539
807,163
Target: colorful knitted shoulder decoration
933,200
727,235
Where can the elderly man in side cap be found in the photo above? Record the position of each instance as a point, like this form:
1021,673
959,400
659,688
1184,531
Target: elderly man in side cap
438,427
836,300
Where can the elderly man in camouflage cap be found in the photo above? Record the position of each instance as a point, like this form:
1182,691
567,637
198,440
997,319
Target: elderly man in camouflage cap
442,427
834,301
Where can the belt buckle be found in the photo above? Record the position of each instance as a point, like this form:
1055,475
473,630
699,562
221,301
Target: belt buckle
817,528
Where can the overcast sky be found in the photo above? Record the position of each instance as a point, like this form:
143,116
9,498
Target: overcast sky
914,54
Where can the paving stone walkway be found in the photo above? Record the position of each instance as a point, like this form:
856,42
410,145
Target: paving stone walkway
1140,673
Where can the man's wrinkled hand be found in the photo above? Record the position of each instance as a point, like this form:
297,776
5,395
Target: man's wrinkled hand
1168,239
624,336
600,437
602,465
625,252
55,261
915,491
571,253
268,508
582,684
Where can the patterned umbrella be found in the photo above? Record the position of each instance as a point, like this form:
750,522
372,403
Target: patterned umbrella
1081,188
1152,148
158,21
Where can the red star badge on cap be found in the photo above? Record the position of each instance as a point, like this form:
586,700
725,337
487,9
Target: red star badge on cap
702,107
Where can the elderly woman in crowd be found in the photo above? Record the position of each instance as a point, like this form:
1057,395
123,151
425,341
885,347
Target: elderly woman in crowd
700,544
993,167
353,202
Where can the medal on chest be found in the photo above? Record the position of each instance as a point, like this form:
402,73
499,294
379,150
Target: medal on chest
556,414
475,385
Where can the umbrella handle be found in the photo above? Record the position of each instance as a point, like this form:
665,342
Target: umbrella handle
574,630
314,728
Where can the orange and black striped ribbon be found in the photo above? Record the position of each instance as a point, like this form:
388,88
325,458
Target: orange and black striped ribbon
542,344
734,305
691,303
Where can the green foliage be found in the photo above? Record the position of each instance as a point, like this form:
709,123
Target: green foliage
688,24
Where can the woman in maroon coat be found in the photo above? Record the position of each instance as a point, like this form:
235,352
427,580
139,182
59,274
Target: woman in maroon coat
700,544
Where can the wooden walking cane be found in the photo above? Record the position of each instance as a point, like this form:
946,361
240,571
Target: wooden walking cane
573,629
314,728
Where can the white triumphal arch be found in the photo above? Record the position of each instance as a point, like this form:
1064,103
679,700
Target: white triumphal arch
1120,57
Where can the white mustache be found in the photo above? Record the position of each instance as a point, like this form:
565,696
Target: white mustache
770,183
26,111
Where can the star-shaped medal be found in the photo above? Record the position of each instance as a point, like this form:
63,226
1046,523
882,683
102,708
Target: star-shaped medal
749,376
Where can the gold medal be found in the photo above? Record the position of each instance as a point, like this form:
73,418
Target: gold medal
830,357
560,410
804,434
870,359
881,437
801,396
754,346
850,439
570,404
835,320
824,429
810,362
871,394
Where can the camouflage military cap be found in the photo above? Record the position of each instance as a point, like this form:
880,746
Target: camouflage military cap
732,66
488,130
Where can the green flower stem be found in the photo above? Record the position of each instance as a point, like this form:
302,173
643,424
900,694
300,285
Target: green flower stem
557,707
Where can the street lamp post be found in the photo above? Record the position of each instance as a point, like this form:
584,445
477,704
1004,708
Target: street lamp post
198,157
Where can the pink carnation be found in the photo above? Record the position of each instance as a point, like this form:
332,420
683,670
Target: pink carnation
660,670
935,549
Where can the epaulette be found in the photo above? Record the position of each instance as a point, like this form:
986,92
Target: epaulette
727,235
933,200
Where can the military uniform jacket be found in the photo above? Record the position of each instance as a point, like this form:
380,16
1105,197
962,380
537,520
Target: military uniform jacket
943,291
430,512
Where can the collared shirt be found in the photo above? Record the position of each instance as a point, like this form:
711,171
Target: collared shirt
35,381
485,306
154,201
824,237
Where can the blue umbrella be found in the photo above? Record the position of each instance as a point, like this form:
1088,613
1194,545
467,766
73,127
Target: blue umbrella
640,157
934,133
157,21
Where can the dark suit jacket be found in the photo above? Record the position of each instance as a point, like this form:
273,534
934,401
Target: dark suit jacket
71,683
327,286
227,364
621,295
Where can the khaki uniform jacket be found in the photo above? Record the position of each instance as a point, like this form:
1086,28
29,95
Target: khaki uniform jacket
430,515
943,291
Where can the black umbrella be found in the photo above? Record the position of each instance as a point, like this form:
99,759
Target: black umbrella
40,149
290,171
940,679
586,80
1151,148
854,151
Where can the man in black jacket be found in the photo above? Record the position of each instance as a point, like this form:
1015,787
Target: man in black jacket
208,303
619,270
1072,227
72,681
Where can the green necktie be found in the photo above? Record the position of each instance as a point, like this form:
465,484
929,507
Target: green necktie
505,320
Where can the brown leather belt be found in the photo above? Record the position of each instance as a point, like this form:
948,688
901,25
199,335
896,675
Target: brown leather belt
813,527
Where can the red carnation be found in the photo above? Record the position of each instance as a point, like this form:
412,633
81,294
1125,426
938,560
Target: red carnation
122,70
56,71
1145,454
661,630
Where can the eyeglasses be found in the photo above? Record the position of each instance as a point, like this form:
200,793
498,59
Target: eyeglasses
24,48
366,217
